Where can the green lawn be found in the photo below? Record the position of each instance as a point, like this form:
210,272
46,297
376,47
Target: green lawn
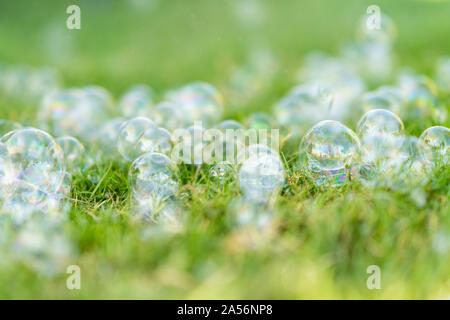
321,242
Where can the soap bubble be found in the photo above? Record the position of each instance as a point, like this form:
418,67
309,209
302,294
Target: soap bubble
383,98
155,140
329,145
198,101
261,176
168,115
438,139
229,125
73,151
32,170
76,112
303,106
109,133
129,134
137,101
259,120
380,121
153,182
190,145
223,172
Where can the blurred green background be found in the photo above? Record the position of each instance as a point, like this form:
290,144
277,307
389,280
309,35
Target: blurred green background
328,239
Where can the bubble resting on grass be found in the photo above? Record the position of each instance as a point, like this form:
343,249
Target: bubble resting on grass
7,126
438,139
129,135
155,140
379,121
32,173
223,172
261,176
329,145
153,183
167,115
73,151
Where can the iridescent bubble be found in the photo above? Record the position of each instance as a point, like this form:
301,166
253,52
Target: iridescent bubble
380,121
303,106
168,115
129,134
153,182
137,101
73,151
329,145
76,112
198,101
155,140
223,172
261,177
33,170
438,139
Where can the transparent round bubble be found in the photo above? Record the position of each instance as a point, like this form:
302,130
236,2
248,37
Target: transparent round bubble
329,145
381,150
380,29
34,166
258,121
155,140
260,177
7,126
168,115
380,121
198,101
109,133
137,101
383,98
303,106
438,139
223,172
76,112
153,181
73,151
129,134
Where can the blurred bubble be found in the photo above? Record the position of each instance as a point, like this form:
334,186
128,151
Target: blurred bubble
229,125
261,176
222,173
259,120
443,73
7,126
153,182
303,106
198,101
155,140
137,101
380,121
73,151
76,112
168,115
129,135
438,139
385,32
32,172
381,99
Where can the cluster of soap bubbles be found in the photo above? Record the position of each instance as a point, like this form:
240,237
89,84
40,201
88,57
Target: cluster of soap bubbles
27,84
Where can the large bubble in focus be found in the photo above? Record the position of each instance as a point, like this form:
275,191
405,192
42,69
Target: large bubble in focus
438,139
129,137
76,112
261,176
198,101
329,145
153,182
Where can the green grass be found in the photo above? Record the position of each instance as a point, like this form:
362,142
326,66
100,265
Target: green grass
321,241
